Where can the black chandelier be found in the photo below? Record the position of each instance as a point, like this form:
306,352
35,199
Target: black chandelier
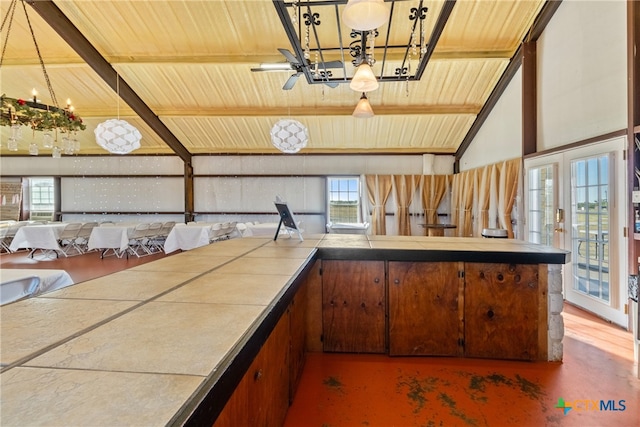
324,40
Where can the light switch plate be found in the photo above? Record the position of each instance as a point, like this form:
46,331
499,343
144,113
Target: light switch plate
635,196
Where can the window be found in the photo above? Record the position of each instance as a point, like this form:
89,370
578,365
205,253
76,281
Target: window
344,200
41,203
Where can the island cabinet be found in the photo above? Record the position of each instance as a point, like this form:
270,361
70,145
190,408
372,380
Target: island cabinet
353,306
456,308
425,308
263,396
504,311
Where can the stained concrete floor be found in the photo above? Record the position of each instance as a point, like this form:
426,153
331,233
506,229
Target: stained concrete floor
340,390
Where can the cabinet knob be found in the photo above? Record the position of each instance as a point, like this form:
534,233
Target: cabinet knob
490,313
396,281
257,375
376,280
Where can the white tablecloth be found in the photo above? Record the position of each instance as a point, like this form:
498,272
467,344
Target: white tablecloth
50,280
43,236
187,237
264,229
110,237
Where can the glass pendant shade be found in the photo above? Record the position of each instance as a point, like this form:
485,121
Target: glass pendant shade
363,109
365,15
117,136
289,136
364,80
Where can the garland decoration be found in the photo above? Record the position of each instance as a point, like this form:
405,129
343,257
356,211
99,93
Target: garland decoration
38,116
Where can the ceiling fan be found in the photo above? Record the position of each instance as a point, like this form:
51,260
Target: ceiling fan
293,64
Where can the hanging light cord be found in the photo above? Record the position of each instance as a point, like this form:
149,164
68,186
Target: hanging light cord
8,19
8,16
44,70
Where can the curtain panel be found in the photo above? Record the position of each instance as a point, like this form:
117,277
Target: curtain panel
378,190
404,188
510,171
433,189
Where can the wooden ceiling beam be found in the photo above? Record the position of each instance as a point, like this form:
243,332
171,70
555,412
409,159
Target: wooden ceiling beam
249,61
53,16
316,111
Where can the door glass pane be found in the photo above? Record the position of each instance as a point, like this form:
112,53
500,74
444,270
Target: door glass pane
541,205
590,222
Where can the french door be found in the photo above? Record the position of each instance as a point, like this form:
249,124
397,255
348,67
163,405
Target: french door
575,200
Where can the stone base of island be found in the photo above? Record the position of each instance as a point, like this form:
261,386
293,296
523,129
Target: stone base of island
192,338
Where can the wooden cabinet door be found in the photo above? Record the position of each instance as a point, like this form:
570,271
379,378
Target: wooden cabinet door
501,311
262,396
353,306
424,318
297,326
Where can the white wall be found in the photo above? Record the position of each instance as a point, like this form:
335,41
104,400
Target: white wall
156,184
582,84
500,137
582,73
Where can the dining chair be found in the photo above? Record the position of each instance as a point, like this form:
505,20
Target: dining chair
215,232
138,240
11,233
82,239
162,235
153,235
15,290
4,246
67,237
231,229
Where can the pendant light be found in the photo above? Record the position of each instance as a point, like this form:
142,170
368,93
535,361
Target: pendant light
364,80
363,109
365,15
115,135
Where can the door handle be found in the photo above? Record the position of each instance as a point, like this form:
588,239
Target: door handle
559,230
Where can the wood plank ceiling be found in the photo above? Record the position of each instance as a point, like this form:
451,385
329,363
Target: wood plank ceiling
189,62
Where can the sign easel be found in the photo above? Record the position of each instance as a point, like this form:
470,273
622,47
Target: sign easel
286,219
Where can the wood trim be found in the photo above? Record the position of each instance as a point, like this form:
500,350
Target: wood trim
633,121
600,138
189,192
461,292
529,98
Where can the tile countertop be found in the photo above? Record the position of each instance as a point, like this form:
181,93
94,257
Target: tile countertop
129,348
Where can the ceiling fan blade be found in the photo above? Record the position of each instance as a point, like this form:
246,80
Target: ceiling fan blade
291,81
331,84
330,64
289,56
276,66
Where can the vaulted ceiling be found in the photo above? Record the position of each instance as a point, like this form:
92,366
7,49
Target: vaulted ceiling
187,85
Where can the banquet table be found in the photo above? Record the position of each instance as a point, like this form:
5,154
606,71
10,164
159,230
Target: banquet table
50,280
187,237
264,229
38,237
110,237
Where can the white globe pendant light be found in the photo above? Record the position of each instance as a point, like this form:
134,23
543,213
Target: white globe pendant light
117,136
289,136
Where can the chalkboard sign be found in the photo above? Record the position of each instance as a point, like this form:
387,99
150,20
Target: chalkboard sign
286,218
